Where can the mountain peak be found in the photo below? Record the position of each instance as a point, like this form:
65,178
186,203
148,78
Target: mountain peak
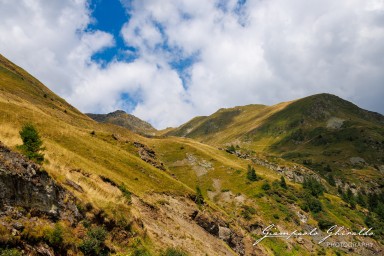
121,118
117,113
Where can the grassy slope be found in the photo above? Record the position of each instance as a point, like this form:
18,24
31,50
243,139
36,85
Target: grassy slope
67,136
300,131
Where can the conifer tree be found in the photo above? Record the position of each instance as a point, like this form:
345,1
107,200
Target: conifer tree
32,143
251,174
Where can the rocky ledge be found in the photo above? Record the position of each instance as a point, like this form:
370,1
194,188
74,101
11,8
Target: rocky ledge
25,184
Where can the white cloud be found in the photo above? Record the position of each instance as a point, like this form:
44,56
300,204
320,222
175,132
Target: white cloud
258,52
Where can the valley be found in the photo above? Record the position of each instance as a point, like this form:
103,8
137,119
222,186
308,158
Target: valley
190,190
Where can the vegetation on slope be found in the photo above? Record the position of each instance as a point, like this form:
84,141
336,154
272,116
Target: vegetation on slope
143,191
324,132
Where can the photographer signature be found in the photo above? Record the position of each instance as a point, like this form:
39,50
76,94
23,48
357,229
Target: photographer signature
335,230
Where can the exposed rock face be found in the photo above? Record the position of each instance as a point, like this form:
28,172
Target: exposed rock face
25,184
295,173
220,229
149,156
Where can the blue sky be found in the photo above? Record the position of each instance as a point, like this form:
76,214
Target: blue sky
168,61
110,16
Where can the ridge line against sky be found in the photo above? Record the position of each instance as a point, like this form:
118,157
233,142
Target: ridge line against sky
168,61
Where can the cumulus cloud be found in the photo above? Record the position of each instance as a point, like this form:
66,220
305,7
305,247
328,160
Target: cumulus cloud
193,57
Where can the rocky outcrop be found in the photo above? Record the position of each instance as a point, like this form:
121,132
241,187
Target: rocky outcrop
219,228
25,184
123,119
295,173
148,155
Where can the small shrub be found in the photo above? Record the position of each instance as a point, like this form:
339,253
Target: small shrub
32,143
251,174
361,200
247,212
5,235
199,200
331,180
266,186
55,236
10,252
163,202
93,244
141,252
174,252
324,222
283,184
34,232
231,149
311,204
313,186
126,193
259,195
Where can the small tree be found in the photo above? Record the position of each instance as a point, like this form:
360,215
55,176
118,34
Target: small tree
251,174
331,180
32,143
283,184
266,186
231,149
93,243
361,199
314,186
199,196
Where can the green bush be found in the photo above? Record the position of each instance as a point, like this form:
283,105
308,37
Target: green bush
283,184
199,200
313,186
311,204
126,193
141,252
10,252
174,252
247,212
93,244
266,186
361,200
251,174
331,180
32,143
55,237
231,149
324,222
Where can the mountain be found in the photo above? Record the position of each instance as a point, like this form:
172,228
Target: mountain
324,132
105,190
120,118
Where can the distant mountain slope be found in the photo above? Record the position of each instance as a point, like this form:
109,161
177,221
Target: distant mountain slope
121,118
321,131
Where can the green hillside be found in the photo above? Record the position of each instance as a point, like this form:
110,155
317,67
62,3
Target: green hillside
323,132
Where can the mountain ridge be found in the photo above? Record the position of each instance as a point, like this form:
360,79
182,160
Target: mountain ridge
322,131
123,119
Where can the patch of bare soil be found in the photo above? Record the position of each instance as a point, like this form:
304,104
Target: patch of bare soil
169,222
